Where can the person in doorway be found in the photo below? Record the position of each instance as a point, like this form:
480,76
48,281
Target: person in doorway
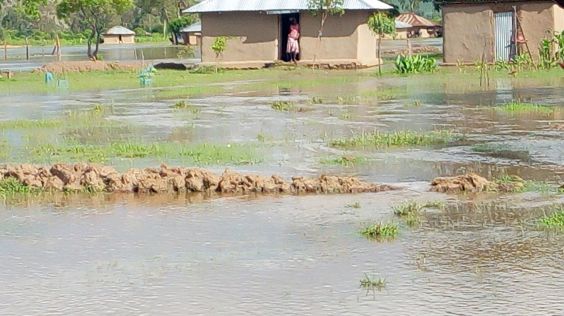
293,48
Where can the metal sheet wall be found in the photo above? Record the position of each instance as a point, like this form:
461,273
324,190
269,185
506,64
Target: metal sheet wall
503,35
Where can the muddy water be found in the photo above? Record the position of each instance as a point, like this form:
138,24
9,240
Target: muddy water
291,255
297,255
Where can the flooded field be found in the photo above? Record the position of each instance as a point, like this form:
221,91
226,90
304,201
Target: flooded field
479,254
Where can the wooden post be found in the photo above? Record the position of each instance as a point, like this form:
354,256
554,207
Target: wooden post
59,53
5,50
26,49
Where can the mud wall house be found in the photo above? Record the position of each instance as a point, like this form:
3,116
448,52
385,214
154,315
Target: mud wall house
402,30
497,30
257,32
192,34
420,26
119,35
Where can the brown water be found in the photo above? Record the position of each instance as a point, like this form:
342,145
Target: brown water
177,255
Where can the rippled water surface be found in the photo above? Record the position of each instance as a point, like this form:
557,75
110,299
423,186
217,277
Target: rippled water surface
300,255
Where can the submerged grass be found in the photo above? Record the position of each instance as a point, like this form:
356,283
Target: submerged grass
380,231
398,139
410,211
345,161
553,221
371,283
518,107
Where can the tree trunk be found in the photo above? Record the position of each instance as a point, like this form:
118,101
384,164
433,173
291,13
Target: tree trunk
98,37
324,16
89,43
379,56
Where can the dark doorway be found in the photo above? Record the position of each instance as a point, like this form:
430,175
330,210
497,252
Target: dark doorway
284,30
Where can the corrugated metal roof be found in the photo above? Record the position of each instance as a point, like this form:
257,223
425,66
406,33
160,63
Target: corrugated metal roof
119,30
196,27
415,20
275,5
402,25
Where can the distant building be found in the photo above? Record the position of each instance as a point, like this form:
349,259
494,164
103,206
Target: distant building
420,26
497,29
258,32
192,34
402,30
119,35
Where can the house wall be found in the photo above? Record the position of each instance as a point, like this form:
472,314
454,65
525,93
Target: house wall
469,29
345,38
253,37
558,18
114,39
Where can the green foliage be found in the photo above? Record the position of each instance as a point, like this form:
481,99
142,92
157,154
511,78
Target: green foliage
95,15
415,64
518,107
382,24
404,138
283,106
551,51
380,231
321,7
553,221
11,186
219,45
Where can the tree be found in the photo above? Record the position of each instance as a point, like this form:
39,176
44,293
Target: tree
177,24
381,24
95,15
323,9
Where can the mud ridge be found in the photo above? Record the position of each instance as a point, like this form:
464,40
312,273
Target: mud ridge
94,178
474,183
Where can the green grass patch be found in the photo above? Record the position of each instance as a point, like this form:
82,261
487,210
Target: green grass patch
380,231
284,106
199,154
345,161
517,107
398,139
553,221
11,186
515,184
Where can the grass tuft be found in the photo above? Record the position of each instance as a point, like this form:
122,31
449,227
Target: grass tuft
372,283
11,186
553,221
398,139
283,106
517,107
380,231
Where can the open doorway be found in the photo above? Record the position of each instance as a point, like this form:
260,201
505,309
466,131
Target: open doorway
284,30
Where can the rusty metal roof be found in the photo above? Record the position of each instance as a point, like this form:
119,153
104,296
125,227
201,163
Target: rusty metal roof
277,5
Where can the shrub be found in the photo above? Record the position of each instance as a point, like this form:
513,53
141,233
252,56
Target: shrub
415,64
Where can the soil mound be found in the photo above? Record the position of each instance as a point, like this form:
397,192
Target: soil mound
93,178
466,183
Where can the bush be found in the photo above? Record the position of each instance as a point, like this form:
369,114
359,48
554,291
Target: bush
415,64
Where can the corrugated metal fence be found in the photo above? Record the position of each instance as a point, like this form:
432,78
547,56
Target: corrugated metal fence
503,35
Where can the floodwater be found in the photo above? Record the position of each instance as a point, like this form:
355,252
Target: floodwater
299,255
